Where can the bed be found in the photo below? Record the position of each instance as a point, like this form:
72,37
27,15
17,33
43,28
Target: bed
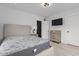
19,42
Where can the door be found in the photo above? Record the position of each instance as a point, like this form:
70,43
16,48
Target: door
45,28
39,24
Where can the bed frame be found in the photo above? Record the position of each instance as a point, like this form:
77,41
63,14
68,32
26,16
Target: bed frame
30,52
23,30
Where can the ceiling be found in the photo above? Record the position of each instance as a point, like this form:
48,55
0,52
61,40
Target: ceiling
38,9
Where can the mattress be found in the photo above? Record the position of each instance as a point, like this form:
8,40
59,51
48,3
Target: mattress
14,44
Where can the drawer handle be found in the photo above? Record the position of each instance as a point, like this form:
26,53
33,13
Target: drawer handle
53,33
53,38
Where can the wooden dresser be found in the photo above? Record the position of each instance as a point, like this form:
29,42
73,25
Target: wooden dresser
55,35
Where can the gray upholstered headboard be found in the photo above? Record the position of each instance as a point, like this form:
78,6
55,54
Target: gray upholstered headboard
16,30
1,33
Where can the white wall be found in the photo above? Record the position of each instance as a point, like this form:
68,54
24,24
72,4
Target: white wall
13,16
71,24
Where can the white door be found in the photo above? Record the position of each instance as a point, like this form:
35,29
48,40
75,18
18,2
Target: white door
45,27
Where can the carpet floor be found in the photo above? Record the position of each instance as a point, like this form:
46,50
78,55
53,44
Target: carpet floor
60,50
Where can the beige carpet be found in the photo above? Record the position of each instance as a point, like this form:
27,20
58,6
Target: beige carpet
46,52
60,50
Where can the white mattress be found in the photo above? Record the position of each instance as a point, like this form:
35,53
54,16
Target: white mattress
15,44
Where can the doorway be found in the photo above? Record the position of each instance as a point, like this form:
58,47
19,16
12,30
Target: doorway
39,27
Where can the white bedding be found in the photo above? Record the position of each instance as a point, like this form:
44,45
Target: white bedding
15,44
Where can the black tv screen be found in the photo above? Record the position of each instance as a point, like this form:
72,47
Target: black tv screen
58,21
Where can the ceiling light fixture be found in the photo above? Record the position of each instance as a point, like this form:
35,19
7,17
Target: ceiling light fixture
45,4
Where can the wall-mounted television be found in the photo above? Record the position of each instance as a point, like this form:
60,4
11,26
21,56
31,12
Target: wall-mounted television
57,22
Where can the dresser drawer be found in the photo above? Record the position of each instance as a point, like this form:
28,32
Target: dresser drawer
55,35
